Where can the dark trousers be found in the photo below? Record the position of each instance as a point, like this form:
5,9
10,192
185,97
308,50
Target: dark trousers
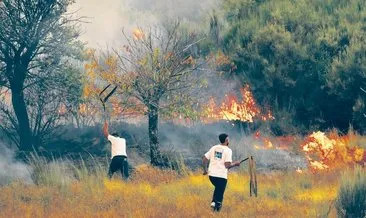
218,195
118,163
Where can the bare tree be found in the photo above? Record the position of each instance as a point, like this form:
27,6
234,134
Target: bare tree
162,63
156,72
35,36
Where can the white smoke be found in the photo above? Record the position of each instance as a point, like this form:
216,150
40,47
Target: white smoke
10,169
107,19
267,159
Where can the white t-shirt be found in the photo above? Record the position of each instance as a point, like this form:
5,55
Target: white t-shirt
218,155
118,146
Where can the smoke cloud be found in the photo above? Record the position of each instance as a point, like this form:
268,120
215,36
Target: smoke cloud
10,169
107,19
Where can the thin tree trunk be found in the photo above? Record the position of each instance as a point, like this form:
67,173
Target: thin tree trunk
155,155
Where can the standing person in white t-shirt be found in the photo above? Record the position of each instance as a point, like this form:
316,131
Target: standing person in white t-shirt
119,155
220,157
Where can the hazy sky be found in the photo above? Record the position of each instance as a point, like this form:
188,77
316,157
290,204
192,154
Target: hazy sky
108,17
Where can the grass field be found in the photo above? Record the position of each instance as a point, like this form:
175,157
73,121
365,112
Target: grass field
156,193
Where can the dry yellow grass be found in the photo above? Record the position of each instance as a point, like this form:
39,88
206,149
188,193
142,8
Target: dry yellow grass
156,193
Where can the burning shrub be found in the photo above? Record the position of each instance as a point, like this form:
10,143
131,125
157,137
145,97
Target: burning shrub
351,201
232,109
333,151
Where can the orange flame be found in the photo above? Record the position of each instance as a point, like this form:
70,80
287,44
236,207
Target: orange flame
331,152
268,143
232,109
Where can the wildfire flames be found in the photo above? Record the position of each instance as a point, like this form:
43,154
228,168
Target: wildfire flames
232,109
323,152
330,152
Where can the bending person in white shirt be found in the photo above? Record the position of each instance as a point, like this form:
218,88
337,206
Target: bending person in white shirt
118,153
220,157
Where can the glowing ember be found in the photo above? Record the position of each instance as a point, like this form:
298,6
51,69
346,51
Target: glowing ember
268,143
330,152
257,134
232,109
137,34
278,143
257,147
299,170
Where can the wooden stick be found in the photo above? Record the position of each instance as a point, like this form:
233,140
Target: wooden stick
253,178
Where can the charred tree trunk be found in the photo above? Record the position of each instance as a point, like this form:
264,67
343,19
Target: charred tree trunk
155,155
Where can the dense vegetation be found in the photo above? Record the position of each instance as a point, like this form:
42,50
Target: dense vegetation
304,59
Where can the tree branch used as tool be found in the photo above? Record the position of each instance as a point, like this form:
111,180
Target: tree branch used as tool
105,99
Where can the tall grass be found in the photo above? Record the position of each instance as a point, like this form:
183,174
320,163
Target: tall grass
63,172
172,160
153,192
351,200
49,172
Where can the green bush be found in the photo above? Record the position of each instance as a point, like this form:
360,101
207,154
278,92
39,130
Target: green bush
351,200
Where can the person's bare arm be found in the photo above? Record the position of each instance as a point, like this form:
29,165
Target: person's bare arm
105,129
229,165
204,165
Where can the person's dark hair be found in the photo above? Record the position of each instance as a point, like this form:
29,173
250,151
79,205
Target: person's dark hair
222,137
115,134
